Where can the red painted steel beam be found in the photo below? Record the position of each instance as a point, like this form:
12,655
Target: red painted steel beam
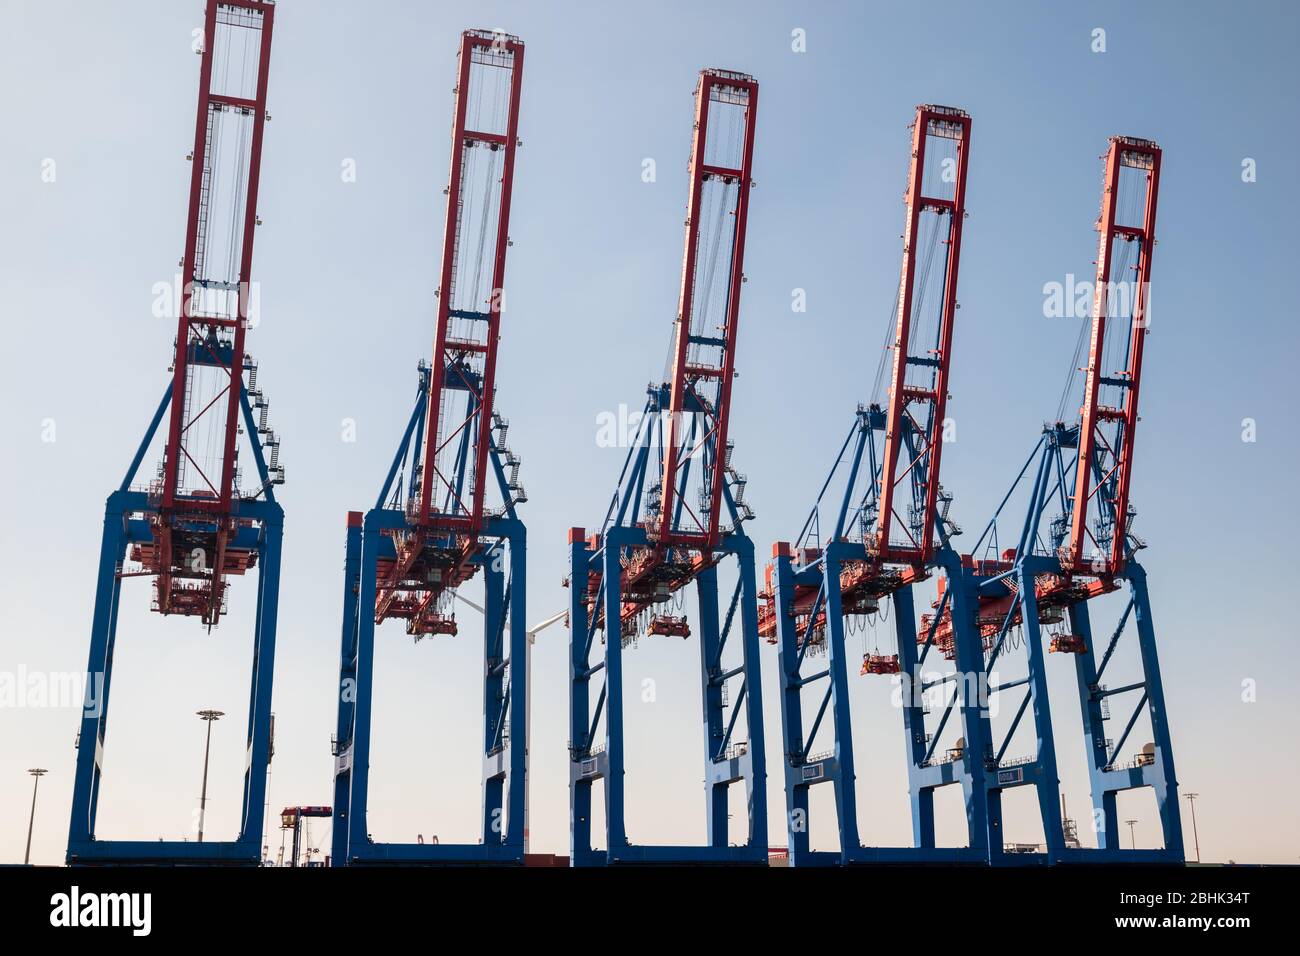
462,366
222,19
490,51
896,466
1124,152
190,325
249,227
735,89
180,364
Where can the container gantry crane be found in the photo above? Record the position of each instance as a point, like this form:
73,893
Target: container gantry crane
294,819
430,534
1040,591
665,525
196,524
834,576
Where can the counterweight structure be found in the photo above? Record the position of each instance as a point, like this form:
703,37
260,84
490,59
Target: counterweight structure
197,523
834,577
432,529
676,516
1072,550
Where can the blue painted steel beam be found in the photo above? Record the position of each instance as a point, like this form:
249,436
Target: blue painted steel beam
1032,560
501,559
594,758
125,522
803,770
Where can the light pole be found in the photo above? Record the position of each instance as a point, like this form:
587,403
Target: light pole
37,773
1132,840
528,713
208,717
1191,802
532,633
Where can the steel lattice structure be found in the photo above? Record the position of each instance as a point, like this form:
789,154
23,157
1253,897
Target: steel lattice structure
431,529
1041,590
664,528
672,541
194,525
869,552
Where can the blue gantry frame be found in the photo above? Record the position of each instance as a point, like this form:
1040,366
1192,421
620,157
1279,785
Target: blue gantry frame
981,767
820,568
725,763
1036,553
501,556
126,521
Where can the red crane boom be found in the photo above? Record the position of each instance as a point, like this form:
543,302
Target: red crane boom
197,488
1105,463
704,348
919,383
469,311
446,512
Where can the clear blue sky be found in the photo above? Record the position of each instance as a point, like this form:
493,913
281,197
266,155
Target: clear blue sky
348,270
